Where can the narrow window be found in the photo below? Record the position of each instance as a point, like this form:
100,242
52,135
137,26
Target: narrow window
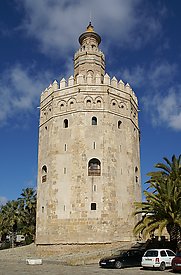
119,124
42,209
65,170
65,123
71,105
136,172
65,147
94,188
44,173
93,206
94,167
94,120
94,145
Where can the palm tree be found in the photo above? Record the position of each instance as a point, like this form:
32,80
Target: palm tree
170,169
27,203
10,219
162,208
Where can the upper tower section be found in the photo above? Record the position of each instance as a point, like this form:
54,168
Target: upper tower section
89,60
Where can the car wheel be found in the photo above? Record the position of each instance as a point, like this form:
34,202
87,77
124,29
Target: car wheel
118,265
162,266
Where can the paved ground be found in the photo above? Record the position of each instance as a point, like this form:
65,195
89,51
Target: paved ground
54,268
13,261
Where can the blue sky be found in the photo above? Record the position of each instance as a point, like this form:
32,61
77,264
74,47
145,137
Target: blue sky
142,44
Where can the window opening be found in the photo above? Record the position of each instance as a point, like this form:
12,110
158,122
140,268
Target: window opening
65,123
94,167
65,170
65,147
44,173
94,120
99,103
119,124
94,145
88,103
93,206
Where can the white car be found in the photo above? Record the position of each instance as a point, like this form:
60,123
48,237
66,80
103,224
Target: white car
157,258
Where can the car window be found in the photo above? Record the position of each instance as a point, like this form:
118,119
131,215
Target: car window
163,253
118,252
151,253
131,253
170,253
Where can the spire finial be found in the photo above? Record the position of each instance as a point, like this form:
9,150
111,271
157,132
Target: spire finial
90,28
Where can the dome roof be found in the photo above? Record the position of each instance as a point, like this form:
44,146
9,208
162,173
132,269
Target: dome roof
89,33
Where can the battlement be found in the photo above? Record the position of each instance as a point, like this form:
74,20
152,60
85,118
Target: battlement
112,83
89,49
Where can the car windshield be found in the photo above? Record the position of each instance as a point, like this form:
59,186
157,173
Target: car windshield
178,254
151,253
118,252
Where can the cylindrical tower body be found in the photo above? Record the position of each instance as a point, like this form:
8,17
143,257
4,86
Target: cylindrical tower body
89,159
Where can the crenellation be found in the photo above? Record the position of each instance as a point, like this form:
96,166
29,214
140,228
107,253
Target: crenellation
55,85
121,85
50,89
114,82
80,79
107,79
63,83
71,81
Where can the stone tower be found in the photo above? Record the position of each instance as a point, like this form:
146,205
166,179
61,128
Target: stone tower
89,158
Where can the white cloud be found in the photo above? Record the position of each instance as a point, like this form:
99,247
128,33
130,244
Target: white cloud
57,24
3,200
20,89
165,110
162,96
161,73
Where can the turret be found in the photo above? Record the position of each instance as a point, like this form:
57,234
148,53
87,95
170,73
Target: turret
89,60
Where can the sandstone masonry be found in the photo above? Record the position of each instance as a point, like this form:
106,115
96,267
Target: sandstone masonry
89,158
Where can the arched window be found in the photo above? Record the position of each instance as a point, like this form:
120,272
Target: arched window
62,106
94,120
98,103
65,123
44,173
94,167
71,105
88,103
